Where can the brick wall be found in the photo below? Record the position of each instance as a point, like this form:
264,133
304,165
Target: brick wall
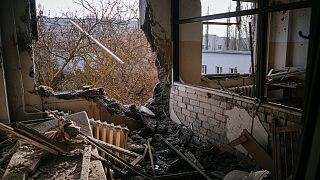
219,117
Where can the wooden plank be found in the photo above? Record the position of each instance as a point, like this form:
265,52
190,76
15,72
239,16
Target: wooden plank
85,167
258,153
41,138
9,130
116,158
140,158
241,139
151,158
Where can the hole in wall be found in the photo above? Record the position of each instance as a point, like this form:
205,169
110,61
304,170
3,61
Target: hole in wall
66,59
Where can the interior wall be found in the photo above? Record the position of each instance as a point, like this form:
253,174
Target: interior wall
286,47
4,111
190,42
93,109
219,117
17,59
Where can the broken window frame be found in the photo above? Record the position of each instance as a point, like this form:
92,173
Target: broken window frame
263,9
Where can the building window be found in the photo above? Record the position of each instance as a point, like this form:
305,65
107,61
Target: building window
233,70
204,69
218,69
219,47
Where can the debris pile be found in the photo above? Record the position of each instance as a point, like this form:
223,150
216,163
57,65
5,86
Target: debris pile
76,147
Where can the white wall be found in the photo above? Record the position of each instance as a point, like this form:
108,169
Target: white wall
226,60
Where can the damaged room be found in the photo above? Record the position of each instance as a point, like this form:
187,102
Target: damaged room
160,89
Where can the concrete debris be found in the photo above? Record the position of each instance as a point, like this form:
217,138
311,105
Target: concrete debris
146,111
152,121
241,175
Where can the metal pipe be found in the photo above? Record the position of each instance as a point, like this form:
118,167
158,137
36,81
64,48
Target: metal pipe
97,42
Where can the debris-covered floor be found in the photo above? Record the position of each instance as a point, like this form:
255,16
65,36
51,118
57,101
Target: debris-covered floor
63,146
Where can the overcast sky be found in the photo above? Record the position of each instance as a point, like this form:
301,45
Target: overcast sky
58,7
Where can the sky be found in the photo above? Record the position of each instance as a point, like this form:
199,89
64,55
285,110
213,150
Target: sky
58,7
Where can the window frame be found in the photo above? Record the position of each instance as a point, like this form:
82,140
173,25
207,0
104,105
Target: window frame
263,9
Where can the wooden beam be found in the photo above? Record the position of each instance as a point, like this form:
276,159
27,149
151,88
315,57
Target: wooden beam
85,167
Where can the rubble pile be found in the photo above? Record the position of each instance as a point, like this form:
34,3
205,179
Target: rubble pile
67,147
168,161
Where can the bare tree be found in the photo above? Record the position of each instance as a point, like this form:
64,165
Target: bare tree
66,59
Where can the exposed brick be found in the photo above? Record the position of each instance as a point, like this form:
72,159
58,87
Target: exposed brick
213,122
294,118
185,100
203,99
193,115
190,119
191,91
181,117
268,111
185,112
261,116
270,119
283,115
192,96
183,105
177,109
208,112
250,105
205,105
197,109
219,98
183,94
178,98
219,130
205,125
201,93
220,117
244,104
196,126
223,105
261,109
182,88
202,117
212,135
173,102
217,109
194,102
189,107
203,131
214,102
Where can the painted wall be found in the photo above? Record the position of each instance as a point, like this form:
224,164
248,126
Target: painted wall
190,42
286,47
